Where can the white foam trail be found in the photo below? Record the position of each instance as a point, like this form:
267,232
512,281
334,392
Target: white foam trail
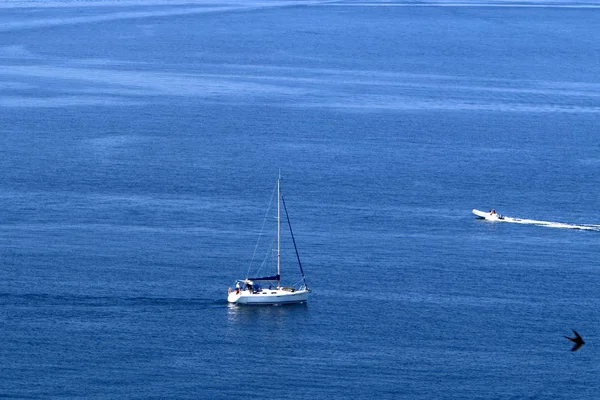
119,81
551,224
40,4
144,11
122,15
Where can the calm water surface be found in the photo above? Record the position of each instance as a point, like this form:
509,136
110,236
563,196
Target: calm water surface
140,143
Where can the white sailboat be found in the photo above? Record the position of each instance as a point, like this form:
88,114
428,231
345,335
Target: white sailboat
252,291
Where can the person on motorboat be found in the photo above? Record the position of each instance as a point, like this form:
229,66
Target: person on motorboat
494,213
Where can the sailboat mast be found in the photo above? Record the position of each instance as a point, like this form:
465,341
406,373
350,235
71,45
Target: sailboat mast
278,231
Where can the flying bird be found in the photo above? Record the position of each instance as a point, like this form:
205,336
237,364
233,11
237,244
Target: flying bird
577,340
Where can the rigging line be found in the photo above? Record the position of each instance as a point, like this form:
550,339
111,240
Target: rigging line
266,257
295,284
293,239
262,228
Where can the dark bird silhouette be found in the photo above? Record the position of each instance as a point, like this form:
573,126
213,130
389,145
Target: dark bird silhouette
577,340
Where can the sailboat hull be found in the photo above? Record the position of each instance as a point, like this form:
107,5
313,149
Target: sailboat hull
274,296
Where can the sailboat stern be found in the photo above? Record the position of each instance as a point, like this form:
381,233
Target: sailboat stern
233,295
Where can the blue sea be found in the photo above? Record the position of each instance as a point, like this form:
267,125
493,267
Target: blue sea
139,145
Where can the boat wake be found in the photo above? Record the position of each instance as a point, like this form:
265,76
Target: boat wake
552,224
524,221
